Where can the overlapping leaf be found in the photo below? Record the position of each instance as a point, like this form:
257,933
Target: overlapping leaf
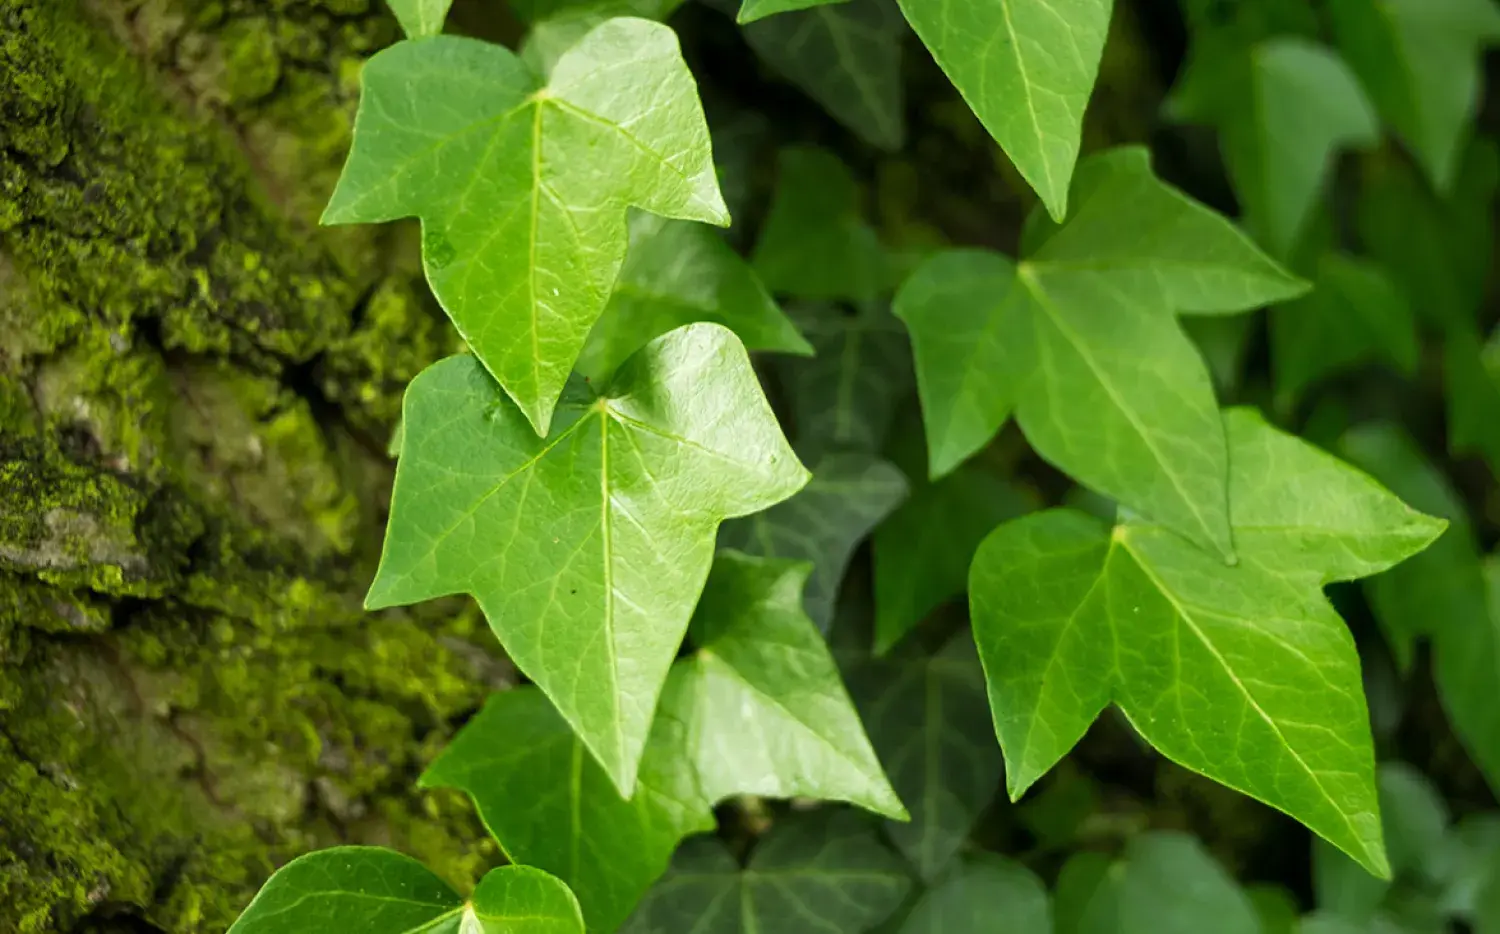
421,17
844,55
815,243
844,399
677,273
926,716
981,892
550,804
1355,313
1244,673
1171,885
762,704
1026,68
523,188
827,874
848,496
1419,60
1081,340
588,549
1284,108
378,891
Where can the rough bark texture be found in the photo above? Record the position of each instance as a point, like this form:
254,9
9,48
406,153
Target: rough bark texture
196,388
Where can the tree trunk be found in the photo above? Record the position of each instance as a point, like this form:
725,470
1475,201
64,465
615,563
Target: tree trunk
196,389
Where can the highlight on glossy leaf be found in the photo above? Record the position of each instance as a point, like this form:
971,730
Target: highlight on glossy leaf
522,186
586,550
1071,616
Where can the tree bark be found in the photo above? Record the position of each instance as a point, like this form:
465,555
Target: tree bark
196,388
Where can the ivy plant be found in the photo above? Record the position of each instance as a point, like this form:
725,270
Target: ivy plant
807,538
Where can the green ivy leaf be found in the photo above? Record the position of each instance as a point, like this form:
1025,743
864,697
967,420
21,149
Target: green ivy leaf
844,55
815,244
927,718
1087,896
1441,594
1082,342
1472,374
1026,69
764,709
848,496
1284,89
845,398
923,551
677,273
378,891
983,890
420,18
522,189
826,874
1171,885
352,888
752,10
1244,673
1419,59
550,804
596,540
538,12
1355,314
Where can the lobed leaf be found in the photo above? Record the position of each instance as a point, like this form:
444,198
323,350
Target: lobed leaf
522,188
363,888
981,891
588,549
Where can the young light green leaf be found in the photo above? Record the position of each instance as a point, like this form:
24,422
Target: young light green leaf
1419,59
845,397
1440,594
420,18
1284,108
1437,248
981,892
1355,314
588,549
1105,384
522,189
676,273
520,900
1173,886
1472,374
848,496
825,874
1243,673
363,888
815,244
926,717
764,709
923,551
844,55
549,804
1026,69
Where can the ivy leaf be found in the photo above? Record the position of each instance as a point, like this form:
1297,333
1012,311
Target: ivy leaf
845,397
1242,673
1419,59
538,12
752,10
844,55
1171,885
815,244
549,804
764,709
1082,342
523,189
596,540
1260,98
677,273
983,890
827,874
926,717
923,551
848,496
420,18
378,891
1356,313
352,887
1472,374
1026,69
1441,594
